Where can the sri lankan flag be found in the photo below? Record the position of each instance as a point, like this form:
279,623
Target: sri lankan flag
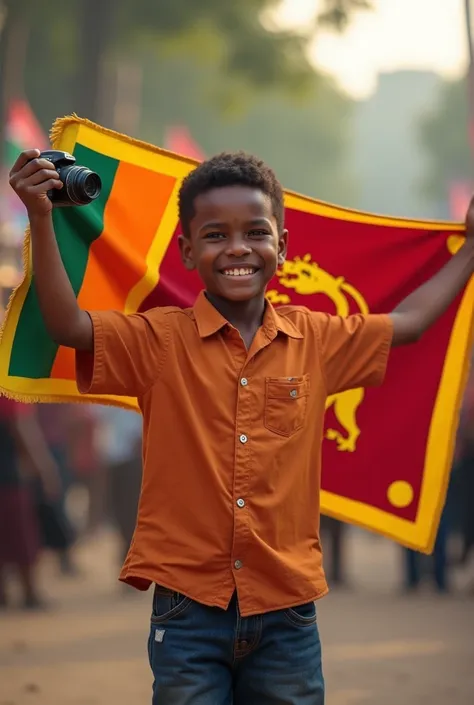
388,451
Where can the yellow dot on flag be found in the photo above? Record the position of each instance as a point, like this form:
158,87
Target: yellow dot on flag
400,494
454,243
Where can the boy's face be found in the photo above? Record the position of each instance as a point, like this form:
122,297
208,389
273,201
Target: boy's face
234,242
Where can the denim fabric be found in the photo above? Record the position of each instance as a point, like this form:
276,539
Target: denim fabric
207,656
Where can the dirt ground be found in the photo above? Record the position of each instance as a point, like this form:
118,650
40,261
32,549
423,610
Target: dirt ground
380,648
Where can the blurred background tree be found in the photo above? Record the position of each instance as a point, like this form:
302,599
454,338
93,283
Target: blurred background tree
74,44
444,135
225,70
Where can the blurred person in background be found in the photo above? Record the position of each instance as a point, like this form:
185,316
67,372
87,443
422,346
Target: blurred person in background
121,451
333,533
465,473
416,564
87,468
24,455
458,514
56,528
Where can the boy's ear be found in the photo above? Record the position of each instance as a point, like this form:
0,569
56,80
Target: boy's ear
282,246
186,252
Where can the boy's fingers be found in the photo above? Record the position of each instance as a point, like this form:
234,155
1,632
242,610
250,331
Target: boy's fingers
40,176
34,166
23,159
45,186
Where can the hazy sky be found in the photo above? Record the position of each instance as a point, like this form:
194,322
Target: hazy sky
417,34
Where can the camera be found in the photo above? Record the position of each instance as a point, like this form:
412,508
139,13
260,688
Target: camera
81,185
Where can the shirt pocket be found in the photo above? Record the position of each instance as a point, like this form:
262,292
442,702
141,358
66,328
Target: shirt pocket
286,401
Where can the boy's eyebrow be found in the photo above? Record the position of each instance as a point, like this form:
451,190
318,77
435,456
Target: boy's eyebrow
212,224
216,224
259,221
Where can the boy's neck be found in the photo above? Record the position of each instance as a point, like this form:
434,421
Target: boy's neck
246,316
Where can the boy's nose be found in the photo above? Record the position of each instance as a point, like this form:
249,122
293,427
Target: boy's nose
237,247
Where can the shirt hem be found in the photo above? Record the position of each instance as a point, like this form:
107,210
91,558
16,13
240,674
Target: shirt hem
143,582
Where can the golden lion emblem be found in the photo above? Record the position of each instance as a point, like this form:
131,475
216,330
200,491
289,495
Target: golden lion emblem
306,277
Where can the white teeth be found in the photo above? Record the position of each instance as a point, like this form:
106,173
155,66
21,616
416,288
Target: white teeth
239,272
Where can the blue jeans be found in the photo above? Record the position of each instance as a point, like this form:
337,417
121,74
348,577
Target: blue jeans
208,656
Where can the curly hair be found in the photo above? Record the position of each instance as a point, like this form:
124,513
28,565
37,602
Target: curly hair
229,169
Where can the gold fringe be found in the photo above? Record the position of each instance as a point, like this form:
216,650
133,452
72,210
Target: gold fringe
63,399
58,127
60,124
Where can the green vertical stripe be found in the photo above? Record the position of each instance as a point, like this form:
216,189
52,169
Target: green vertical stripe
12,152
76,228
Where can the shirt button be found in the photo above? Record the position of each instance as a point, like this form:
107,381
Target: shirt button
238,565
293,393
243,438
244,381
241,503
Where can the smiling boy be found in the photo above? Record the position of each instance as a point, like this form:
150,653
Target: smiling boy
232,394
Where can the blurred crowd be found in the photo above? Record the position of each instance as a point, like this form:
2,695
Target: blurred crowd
52,454
47,453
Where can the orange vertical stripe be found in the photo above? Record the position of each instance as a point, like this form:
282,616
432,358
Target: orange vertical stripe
117,259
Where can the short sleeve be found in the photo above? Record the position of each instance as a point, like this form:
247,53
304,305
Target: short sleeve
129,352
354,350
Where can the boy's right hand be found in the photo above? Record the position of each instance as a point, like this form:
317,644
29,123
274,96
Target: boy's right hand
31,178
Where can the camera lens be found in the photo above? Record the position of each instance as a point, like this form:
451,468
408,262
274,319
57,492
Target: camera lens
92,185
82,185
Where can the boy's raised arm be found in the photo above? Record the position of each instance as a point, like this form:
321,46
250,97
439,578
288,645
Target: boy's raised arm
31,178
415,314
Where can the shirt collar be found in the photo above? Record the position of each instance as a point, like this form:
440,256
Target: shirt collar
209,320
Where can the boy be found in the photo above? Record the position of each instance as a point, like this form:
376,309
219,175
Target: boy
232,394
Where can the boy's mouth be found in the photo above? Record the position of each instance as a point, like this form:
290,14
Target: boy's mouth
239,271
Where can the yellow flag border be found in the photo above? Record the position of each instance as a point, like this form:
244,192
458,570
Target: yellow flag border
419,535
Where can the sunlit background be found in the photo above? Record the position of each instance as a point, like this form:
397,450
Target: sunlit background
417,35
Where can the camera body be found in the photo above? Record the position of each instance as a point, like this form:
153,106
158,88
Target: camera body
80,185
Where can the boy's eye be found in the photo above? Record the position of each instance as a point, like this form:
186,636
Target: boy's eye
214,236
258,233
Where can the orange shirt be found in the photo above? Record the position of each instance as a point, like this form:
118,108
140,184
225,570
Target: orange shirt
232,443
